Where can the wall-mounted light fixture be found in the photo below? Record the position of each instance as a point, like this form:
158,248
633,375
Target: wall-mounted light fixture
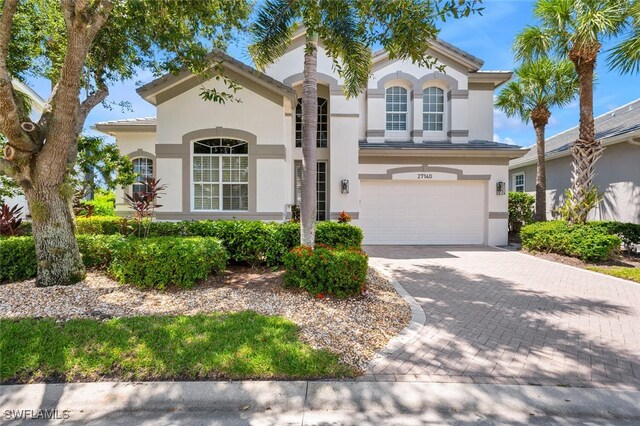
344,186
500,188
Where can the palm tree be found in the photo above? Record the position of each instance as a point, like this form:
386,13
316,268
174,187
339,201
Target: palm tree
347,29
540,86
576,29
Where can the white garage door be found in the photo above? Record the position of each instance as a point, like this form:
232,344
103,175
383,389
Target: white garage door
407,212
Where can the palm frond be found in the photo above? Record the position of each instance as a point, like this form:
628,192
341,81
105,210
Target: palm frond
512,99
345,43
532,43
272,31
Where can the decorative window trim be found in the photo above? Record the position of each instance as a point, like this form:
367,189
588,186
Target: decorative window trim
139,183
514,180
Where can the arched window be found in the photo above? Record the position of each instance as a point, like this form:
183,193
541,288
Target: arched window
323,123
433,109
221,175
143,168
396,98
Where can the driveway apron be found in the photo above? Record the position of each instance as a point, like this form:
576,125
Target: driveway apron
495,316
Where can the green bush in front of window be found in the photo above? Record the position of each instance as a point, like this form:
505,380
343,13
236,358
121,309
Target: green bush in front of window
520,210
327,271
164,261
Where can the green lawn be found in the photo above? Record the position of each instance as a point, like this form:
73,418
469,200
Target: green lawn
242,345
632,274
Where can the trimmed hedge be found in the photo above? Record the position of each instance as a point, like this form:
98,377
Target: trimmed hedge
629,233
587,242
97,250
17,259
325,270
247,241
159,262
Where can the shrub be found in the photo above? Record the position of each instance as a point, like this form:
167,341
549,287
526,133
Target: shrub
103,204
17,259
164,229
338,234
324,270
159,262
97,250
101,225
629,233
10,219
589,243
520,210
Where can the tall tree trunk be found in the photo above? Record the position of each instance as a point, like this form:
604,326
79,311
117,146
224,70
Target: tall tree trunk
59,260
309,136
540,213
586,150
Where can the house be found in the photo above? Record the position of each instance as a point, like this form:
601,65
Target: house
37,106
411,159
617,172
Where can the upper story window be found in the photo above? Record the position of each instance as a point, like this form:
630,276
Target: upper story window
143,168
518,182
396,99
323,123
221,175
433,109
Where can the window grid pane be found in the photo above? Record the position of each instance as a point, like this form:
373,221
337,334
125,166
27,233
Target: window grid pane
143,168
220,175
433,109
396,108
323,123
321,189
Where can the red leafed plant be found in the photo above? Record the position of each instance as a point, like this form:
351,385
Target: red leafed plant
10,219
344,217
144,204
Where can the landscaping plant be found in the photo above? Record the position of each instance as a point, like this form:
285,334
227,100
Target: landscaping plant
144,205
520,210
10,219
325,270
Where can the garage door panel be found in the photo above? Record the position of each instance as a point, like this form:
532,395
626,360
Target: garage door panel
401,212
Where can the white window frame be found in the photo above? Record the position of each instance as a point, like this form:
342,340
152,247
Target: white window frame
514,178
442,113
220,182
153,166
388,112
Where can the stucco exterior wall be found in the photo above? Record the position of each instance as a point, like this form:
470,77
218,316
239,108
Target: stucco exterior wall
617,178
480,112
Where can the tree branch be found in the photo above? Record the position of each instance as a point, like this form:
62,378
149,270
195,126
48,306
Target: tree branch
97,96
9,108
6,168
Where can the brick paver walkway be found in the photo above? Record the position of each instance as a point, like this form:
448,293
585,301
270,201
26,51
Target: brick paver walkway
494,316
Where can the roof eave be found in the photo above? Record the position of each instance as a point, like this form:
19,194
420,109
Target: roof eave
625,137
498,78
111,129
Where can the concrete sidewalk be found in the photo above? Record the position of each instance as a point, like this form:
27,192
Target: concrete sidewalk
321,402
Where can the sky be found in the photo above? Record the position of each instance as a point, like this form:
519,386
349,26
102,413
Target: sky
489,37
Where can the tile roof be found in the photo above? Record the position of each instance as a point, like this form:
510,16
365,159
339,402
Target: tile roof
142,121
619,121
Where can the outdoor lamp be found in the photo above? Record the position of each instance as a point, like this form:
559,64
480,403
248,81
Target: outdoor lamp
344,186
500,188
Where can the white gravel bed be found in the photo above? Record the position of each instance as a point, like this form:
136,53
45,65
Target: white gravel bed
353,328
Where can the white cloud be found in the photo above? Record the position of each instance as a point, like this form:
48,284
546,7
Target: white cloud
507,140
502,122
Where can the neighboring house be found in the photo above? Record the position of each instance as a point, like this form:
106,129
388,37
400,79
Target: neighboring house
411,159
617,172
37,105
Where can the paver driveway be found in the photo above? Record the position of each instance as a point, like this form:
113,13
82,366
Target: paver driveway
494,316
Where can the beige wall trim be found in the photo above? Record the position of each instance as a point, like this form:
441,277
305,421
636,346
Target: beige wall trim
219,216
424,168
457,94
139,153
323,79
458,133
481,86
133,128
498,215
375,133
375,94
339,114
354,215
